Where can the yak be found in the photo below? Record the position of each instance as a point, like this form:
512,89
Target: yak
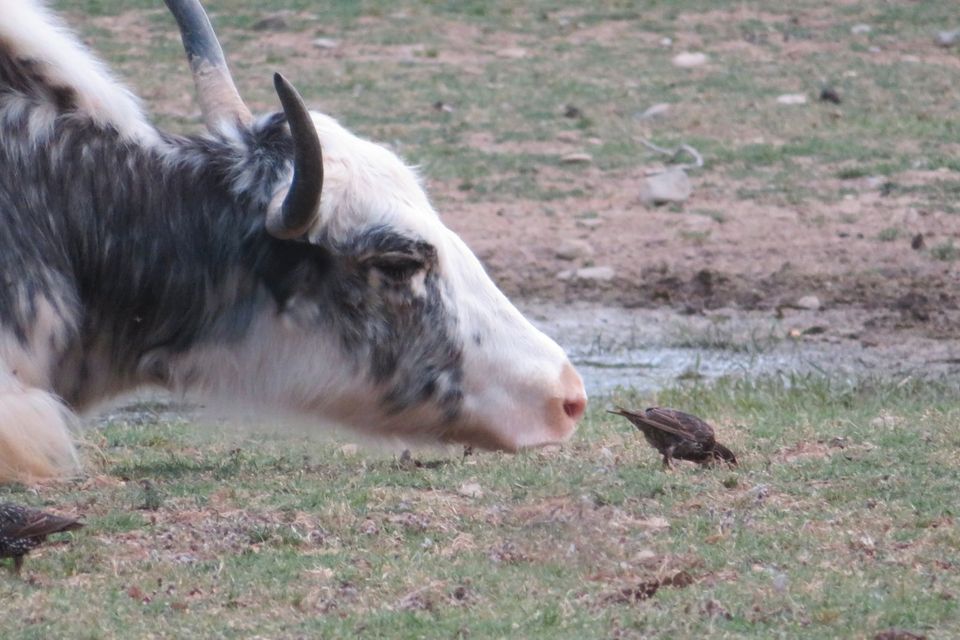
277,260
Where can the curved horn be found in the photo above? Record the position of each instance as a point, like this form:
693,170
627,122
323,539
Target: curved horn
219,100
302,202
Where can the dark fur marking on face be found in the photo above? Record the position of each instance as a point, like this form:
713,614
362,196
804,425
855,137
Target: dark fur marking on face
410,337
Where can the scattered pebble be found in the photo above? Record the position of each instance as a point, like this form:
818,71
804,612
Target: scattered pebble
577,158
811,303
588,274
589,223
514,53
829,94
666,42
349,450
947,39
792,98
669,186
917,243
687,60
596,273
571,111
573,249
655,111
656,522
440,105
326,43
860,29
470,490
568,136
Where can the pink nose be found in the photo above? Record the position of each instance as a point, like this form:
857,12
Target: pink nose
574,397
575,407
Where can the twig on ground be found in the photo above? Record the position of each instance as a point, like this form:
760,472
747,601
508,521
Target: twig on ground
675,153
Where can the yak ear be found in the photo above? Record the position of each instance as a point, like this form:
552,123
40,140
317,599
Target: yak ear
288,267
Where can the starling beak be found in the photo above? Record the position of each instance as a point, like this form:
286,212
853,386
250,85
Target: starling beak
676,434
23,529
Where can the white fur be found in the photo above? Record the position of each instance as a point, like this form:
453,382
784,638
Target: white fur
34,33
35,434
518,378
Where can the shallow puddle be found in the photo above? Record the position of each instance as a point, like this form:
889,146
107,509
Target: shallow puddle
647,349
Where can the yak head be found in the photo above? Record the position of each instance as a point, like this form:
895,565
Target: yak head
381,318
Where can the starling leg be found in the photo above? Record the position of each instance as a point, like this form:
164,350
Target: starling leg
668,457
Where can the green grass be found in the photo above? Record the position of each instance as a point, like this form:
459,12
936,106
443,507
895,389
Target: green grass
840,521
896,115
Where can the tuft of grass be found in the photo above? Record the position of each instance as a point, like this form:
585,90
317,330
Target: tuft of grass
889,234
945,251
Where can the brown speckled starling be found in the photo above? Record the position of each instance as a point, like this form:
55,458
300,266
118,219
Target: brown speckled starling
676,434
23,529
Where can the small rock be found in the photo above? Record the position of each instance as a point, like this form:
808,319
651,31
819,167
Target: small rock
947,39
860,29
470,490
874,49
577,158
589,223
917,243
571,111
669,186
792,98
811,303
687,60
514,53
655,111
829,94
644,556
440,105
568,136
656,522
595,274
572,249
275,22
666,42
885,421
326,43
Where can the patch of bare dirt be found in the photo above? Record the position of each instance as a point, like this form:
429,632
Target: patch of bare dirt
719,251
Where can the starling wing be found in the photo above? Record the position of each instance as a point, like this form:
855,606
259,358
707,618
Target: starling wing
21,522
676,423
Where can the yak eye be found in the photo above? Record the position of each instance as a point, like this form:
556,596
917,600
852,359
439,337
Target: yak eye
396,266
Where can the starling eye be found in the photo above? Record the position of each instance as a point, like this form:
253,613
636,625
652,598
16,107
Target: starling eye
397,266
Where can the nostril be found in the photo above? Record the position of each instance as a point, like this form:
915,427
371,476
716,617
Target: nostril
575,408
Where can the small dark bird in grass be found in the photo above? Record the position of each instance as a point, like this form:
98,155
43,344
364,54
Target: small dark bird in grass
23,529
676,434
829,94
